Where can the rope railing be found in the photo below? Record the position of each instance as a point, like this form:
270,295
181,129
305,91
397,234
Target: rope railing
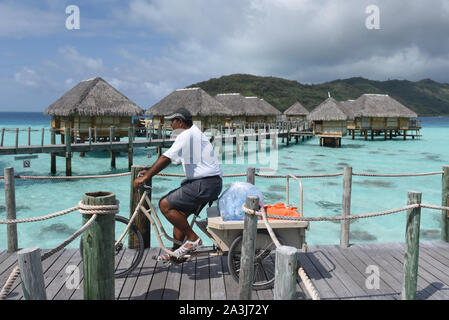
83,209
229,175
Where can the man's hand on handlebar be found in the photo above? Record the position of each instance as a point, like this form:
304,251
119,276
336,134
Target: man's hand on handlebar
140,179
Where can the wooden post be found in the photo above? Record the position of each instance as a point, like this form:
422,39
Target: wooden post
285,274
68,152
31,274
141,222
251,175
29,136
90,138
444,203
53,155
410,277
111,139
42,137
3,137
17,137
346,206
10,203
248,249
98,250
130,147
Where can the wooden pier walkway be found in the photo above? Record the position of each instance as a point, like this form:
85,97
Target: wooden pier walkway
337,274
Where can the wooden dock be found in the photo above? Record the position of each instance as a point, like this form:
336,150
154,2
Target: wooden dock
337,274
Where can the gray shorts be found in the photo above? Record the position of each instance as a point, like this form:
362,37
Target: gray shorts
192,193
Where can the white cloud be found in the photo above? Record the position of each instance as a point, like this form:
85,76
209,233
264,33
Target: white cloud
23,21
27,77
79,63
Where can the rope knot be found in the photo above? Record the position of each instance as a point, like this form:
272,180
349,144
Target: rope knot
250,211
98,209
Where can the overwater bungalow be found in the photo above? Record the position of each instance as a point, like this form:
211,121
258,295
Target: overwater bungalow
379,113
206,111
296,112
262,111
329,122
95,104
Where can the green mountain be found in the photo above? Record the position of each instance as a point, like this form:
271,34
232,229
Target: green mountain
425,97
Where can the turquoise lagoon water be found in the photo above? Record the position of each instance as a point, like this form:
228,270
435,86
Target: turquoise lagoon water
322,196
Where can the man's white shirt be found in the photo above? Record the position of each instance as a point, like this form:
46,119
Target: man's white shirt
193,149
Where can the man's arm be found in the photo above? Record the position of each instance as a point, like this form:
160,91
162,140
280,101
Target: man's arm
161,163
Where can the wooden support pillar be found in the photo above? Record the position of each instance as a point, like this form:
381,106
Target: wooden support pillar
251,175
10,204
68,152
372,134
130,147
111,151
98,250
405,134
53,155
31,274
286,273
386,133
410,276
346,206
445,203
366,134
353,134
2,138
140,221
248,250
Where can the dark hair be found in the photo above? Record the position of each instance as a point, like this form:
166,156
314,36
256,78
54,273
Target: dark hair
188,123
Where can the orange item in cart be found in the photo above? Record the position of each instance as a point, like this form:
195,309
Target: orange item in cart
279,209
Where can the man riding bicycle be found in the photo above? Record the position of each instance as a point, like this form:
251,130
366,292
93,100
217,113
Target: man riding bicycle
203,181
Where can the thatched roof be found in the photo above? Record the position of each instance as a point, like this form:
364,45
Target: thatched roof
328,110
381,106
350,108
93,97
296,109
234,101
196,100
268,108
246,106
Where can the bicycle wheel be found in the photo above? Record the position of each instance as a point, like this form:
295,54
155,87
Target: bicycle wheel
264,259
126,259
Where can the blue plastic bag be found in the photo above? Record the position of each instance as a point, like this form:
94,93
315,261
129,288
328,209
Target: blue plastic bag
231,201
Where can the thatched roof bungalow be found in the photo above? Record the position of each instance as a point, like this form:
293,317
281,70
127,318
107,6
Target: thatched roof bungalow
296,112
248,109
206,111
329,121
381,112
95,104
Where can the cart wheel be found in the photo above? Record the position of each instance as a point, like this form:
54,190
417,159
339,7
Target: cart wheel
264,259
126,259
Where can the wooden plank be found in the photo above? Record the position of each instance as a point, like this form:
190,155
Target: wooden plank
232,286
131,279
156,289
430,285
122,262
202,276
217,284
187,288
384,291
173,283
327,268
387,277
396,268
146,275
357,287
319,281
58,285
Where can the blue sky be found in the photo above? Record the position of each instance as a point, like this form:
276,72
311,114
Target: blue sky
147,49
